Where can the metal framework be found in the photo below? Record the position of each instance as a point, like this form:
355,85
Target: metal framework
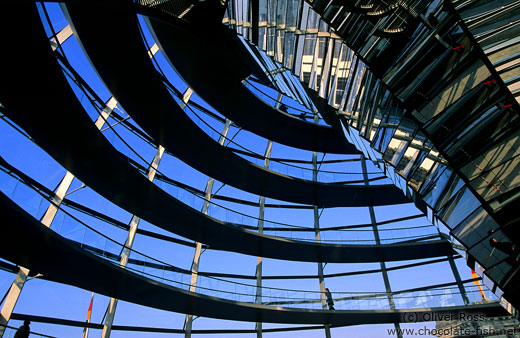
359,69
431,87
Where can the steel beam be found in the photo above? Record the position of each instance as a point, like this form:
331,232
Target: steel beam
261,213
127,248
317,233
456,274
61,37
21,277
188,323
134,224
373,220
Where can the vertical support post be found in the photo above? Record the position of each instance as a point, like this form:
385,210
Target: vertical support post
261,213
258,272
61,37
327,69
462,290
21,277
188,323
127,248
456,274
255,10
317,234
134,223
378,242
186,97
12,298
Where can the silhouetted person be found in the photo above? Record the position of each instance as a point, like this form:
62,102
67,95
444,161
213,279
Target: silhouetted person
330,301
23,331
